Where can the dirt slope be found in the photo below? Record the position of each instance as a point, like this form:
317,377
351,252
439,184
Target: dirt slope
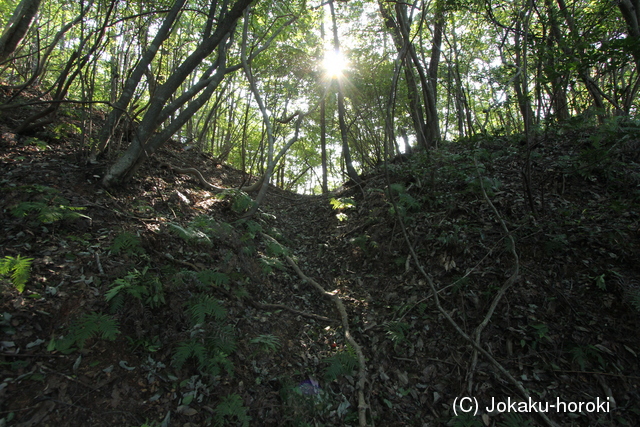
161,305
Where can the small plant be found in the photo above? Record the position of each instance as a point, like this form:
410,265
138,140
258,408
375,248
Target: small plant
268,343
341,205
397,332
127,243
240,201
341,363
210,340
514,420
231,411
87,327
18,269
465,420
205,305
50,208
587,354
143,286
405,202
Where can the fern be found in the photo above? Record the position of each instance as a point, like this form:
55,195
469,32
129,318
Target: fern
240,201
634,298
19,270
223,339
128,243
342,363
204,305
142,286
231,411
45,213
268,342
465,420
275,249
187,349
397,332
49,206
515,420
213,278
87,327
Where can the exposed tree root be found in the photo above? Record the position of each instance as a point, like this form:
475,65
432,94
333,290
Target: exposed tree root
549,422
507,284
260,305
195,172
362,372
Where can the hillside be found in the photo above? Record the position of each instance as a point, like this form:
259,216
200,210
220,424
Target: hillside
160,304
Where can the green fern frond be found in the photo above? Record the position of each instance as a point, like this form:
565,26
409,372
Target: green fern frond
187,349
231,410
19,270
224,339
634,298
128,243
275,249
267,342
47,213
466,420
213,278
342,363
204,305
88,326
191,235
515,420
397,331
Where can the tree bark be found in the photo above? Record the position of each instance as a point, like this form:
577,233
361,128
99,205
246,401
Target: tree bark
143,145
346,151
17,27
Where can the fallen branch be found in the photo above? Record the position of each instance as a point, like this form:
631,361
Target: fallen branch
362,372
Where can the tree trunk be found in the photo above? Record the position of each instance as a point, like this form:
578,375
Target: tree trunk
143,145
17,27
346,151
132,82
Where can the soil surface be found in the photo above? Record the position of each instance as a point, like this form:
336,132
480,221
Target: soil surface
162,303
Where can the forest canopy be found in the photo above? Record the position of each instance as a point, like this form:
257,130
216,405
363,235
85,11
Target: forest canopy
307,94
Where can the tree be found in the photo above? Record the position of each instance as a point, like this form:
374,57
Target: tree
17,27
146,141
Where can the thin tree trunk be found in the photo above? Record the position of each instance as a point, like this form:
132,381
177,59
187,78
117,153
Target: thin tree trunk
346,151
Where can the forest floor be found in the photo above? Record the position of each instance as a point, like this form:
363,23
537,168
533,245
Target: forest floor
161,304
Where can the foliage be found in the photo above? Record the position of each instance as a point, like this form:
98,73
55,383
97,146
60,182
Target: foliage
18,269
514,420
128,243
205,305
87,327
49,206
202,229
397,332
211,341
240,201
341,363
267,342
231,411
465,420
585,355
141,285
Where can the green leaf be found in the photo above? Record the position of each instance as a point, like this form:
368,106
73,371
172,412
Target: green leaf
19,270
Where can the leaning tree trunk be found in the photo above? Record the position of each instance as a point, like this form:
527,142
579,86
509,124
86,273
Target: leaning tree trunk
164,103
17,27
